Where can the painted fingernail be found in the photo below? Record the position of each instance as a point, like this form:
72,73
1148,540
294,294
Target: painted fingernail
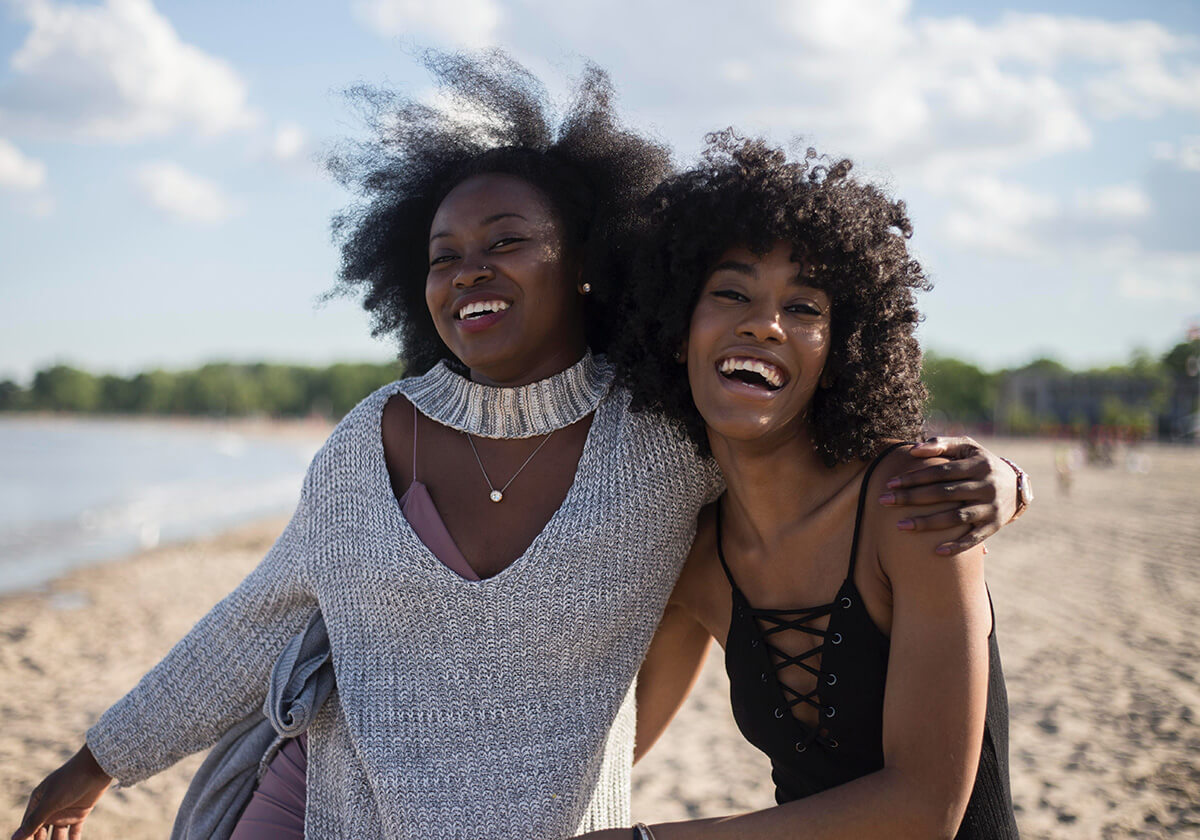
893,483
943,550
905,525
887,499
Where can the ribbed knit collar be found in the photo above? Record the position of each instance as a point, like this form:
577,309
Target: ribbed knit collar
525,411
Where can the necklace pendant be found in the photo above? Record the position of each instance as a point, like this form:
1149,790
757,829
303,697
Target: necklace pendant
496,496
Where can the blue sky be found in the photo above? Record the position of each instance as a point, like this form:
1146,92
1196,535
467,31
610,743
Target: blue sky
161,203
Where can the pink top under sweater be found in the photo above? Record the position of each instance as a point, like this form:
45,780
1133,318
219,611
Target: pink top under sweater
422,514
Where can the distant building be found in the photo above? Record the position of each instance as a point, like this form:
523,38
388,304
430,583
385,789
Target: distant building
1033,398
1181,418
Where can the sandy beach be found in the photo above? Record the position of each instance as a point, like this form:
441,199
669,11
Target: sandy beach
1097,596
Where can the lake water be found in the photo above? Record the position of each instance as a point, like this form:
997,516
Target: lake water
74,492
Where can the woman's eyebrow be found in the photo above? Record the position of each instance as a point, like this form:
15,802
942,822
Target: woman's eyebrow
734,265
493,218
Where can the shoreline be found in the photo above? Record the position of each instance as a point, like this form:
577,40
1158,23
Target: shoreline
259,426
143,481
73,646
1095,595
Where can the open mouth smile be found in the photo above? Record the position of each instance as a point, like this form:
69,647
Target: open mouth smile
479,309
755,373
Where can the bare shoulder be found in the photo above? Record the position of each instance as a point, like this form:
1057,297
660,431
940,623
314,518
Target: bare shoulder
923,585
397,434
883,521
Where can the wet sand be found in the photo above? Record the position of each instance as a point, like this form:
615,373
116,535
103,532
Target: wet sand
1097,598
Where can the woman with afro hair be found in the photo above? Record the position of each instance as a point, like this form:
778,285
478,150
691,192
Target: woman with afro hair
776,325
490,542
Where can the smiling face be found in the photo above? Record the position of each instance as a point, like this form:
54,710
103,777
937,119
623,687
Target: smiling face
501,287
757,345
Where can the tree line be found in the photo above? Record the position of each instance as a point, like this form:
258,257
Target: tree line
220,389
960,391
964,393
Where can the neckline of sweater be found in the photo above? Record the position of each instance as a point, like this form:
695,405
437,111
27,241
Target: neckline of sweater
541,407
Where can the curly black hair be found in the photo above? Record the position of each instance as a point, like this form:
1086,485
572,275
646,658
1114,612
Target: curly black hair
492,116
748,193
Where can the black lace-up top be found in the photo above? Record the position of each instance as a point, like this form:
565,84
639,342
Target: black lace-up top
849,660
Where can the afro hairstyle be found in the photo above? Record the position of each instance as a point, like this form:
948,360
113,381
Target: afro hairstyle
489,115
745,192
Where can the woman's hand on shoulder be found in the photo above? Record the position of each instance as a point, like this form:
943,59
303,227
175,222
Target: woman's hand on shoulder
918,528
59,805
971,485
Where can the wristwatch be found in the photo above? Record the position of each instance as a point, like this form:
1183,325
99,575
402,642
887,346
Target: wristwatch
1024,489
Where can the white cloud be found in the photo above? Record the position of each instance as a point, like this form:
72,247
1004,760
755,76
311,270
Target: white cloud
1121,201
1189,154
470,23
1141,69
939,97
736,71
24,179
118,72
865,26
182,194
990,214
18,172
1185,155
289,142
998,216
1170,277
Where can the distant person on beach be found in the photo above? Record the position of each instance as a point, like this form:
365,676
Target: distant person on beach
490,542
1064,468
777,325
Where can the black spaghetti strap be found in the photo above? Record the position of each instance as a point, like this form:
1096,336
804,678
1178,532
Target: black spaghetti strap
721,551
862,502
414,461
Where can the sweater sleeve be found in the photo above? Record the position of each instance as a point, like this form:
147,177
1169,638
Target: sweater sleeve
217,674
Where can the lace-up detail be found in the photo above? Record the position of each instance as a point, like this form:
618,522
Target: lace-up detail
772,623
778,621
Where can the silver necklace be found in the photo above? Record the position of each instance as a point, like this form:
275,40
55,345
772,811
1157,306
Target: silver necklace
498,495
523,411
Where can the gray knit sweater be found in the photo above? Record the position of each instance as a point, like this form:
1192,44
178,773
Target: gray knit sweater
500,708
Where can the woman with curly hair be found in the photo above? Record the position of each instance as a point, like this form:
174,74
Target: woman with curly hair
778,319
490,542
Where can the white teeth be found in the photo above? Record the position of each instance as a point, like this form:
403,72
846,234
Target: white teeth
478,307
769,372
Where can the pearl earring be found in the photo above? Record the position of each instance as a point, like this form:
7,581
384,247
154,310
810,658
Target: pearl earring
585,289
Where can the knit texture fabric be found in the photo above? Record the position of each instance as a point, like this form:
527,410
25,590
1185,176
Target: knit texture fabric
500,708
527,411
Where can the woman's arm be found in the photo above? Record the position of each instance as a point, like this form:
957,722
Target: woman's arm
213,678
985,486
217,674
668,673
934,709
676,655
